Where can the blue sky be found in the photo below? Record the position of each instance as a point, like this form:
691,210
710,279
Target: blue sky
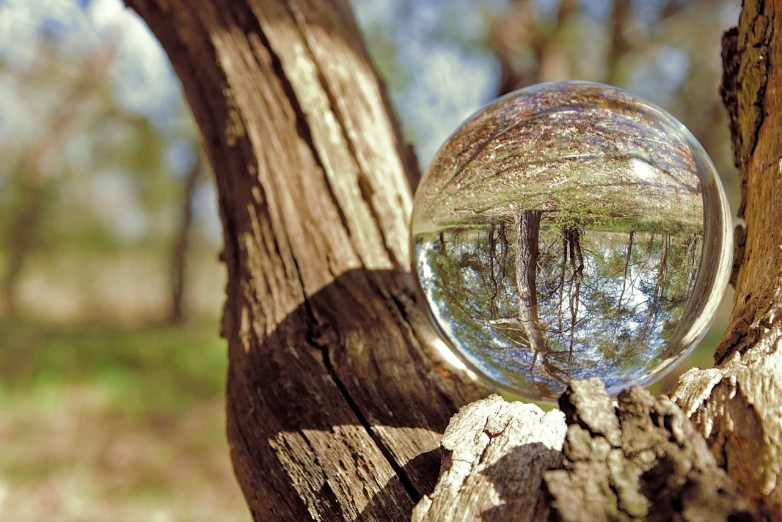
141,72
448,83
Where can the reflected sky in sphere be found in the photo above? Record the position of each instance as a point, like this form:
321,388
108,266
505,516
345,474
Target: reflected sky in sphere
571,230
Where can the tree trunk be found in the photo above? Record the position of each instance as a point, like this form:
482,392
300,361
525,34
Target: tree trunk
515,33
736,405
181,245
337,397
527,249
23,231
620,45
22,236
628,257
335,404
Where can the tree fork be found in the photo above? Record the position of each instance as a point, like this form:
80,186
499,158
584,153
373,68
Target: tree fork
336,396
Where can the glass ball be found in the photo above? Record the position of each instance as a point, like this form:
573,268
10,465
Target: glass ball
571,230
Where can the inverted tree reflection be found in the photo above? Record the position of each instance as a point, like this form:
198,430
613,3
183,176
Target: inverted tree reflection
536,297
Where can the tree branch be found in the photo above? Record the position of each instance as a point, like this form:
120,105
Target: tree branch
735,405
336,400
639,460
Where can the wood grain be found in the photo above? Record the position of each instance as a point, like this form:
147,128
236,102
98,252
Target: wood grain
336,399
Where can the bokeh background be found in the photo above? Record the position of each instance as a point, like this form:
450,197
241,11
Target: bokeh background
111,369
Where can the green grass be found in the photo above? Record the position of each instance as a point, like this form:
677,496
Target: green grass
106,423
155,370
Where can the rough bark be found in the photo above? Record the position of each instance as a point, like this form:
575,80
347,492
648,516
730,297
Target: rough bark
496,454
335,403
736,405
640,459
336,396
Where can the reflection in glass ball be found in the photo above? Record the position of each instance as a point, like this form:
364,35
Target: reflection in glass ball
571,230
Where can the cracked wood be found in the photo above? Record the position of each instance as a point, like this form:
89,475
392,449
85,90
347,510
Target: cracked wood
496,454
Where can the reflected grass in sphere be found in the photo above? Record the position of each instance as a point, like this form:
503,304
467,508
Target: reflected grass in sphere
571,230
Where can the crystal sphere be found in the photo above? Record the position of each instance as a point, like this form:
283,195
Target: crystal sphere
571,230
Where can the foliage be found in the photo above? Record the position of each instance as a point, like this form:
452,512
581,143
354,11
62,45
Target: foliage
155,370
108,423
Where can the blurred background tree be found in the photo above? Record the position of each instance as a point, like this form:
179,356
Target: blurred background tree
111,370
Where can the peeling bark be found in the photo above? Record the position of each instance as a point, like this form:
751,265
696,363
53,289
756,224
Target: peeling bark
735,407
638,458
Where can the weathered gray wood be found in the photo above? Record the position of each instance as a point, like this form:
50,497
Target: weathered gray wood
737,407
495,456
636,458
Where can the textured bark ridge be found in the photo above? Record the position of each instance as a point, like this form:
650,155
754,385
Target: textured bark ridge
495,456
337,397
736,407
751,93
639,460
